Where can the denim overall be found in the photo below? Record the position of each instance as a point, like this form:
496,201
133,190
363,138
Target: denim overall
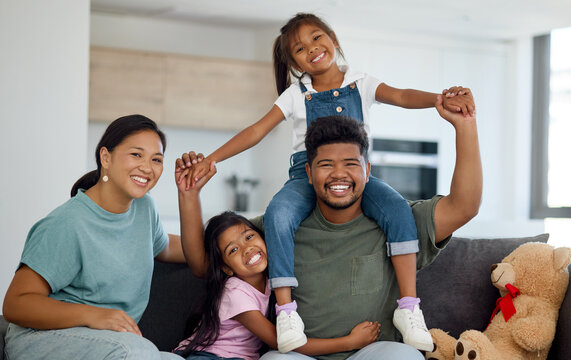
295,201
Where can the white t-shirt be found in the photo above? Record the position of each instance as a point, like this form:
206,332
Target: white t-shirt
292,102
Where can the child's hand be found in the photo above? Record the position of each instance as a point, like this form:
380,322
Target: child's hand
455,90
452,116
459,99
182,177
189,161
364,334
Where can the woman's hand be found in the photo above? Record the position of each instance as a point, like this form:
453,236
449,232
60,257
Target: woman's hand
111,319
364,334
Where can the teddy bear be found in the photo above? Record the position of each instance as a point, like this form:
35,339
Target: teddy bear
532,281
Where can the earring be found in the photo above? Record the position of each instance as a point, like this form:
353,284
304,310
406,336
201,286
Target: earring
105,178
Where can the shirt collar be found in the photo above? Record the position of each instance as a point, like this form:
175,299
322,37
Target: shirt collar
350,77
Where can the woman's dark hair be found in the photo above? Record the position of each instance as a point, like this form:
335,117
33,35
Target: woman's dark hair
208,328
114,135
284,64
335,129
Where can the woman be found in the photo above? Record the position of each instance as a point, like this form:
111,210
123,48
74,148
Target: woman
85,274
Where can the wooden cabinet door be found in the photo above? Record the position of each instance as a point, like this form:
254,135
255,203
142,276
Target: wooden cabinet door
216,93
125,82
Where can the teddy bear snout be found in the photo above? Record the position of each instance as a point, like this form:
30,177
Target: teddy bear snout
459,348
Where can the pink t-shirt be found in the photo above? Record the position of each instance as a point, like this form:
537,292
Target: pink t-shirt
234,339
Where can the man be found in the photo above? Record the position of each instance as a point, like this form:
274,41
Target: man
345,276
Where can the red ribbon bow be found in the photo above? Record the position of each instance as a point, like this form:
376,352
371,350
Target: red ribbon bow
505,303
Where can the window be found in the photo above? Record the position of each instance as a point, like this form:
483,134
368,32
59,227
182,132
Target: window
551,143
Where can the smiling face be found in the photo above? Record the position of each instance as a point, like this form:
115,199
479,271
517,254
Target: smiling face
134,166
339,174
244,253
313,50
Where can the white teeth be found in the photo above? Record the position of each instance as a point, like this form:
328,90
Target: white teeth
339,187
254,258
140,179
318,58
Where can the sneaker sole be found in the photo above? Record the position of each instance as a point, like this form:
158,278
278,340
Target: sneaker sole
421,346
289,346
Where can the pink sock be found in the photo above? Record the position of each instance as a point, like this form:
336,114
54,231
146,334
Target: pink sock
408,302
288,308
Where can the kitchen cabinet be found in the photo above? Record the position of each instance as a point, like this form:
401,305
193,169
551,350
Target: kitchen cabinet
179,90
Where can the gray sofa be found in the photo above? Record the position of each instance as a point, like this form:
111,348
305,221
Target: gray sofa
455,290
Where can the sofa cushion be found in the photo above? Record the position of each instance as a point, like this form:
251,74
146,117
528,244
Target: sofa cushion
459,279
175,298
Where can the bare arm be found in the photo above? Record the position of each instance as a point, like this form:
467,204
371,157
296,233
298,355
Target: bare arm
406,98
191,224
27,304
244,140
363,334
463,201
459,99
172,252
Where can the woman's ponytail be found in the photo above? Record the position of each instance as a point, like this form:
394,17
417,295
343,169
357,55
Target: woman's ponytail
85,182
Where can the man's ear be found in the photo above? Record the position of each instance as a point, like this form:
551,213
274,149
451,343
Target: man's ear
368,171
308,171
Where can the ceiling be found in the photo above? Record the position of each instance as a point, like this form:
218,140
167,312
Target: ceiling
483,19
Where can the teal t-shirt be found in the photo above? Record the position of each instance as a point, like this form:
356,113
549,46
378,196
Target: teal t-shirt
91,256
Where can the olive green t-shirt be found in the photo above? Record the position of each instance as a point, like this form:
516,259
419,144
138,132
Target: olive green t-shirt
345,276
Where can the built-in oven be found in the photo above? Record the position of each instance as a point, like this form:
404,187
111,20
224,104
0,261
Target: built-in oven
409,167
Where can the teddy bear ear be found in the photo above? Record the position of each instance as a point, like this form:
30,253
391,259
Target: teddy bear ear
561,258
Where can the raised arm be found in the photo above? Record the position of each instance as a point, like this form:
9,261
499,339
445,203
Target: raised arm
463,201
191,224
242,141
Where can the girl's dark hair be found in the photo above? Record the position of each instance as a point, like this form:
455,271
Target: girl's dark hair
114,135
284,64
208,328
335,129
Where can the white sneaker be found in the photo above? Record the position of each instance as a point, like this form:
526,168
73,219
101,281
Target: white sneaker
290,331
413,329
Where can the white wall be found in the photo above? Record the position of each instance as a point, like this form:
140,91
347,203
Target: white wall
43,114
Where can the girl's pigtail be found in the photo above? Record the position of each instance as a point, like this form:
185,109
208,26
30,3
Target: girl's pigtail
281,69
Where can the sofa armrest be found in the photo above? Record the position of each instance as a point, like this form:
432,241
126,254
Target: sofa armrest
3,328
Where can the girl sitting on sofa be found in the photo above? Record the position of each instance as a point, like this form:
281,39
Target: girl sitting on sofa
85,274
232,254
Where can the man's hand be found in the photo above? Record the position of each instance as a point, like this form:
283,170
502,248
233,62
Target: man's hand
459,99
455,116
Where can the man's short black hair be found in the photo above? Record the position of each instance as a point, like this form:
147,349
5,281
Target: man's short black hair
335,129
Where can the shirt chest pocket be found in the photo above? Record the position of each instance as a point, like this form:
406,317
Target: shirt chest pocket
367,274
